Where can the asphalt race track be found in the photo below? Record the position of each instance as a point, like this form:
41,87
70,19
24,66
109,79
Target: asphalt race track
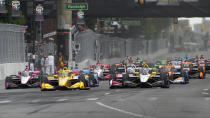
180,101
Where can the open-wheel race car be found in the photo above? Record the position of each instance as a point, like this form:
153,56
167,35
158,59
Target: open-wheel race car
118,74
65,79
147,77
103,71
139,77
24,79
202,63
208,66
193,69
176,76
91,77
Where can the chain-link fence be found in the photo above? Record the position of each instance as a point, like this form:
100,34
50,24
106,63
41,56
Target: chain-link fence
12,47
97,47
87,41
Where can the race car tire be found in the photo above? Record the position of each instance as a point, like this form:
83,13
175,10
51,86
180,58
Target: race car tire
94,81
43,79
37,83
82,78
186,77
112,77
165,80
125,77
110,85
112,70
202,74
8,81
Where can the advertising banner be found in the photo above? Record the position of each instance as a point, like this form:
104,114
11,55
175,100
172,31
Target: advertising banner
2,6
15,8
39,13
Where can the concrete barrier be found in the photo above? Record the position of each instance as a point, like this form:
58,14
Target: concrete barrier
7,69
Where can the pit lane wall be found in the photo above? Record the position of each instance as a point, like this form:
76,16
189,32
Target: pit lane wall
12,49
10,69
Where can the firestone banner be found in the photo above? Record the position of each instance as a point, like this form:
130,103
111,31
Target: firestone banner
39,13
2,6
80,18
15,8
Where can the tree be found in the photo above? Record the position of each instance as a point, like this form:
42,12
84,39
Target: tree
150,27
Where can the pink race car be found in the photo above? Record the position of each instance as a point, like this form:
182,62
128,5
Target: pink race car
26,78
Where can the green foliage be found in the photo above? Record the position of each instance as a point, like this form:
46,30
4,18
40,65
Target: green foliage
150,27
19,21
7,18
90,22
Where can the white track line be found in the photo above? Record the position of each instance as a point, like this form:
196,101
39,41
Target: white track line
204,93
153,98
107,93
207,99
117,90
92,99
60,100
34,101
205,89
119,110
5,101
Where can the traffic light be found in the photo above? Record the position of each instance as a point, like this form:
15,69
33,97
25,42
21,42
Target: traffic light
39,11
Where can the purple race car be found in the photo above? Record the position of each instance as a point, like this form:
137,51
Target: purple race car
26,78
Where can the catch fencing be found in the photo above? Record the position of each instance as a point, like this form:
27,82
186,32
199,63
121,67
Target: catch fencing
12,47
98,47
118,48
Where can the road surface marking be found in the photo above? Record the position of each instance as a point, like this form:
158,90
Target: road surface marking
92,99
5,101
107,93
35,101
117,90
153,98
205,89
207,99
204,93
120,110
60,100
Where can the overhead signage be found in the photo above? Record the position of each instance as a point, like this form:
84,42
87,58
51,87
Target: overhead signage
39,13
15,8
2,6
80,15
77,6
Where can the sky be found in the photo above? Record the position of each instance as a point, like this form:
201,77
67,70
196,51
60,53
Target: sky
195,20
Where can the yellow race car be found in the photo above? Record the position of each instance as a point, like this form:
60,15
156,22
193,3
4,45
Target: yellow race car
64,79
